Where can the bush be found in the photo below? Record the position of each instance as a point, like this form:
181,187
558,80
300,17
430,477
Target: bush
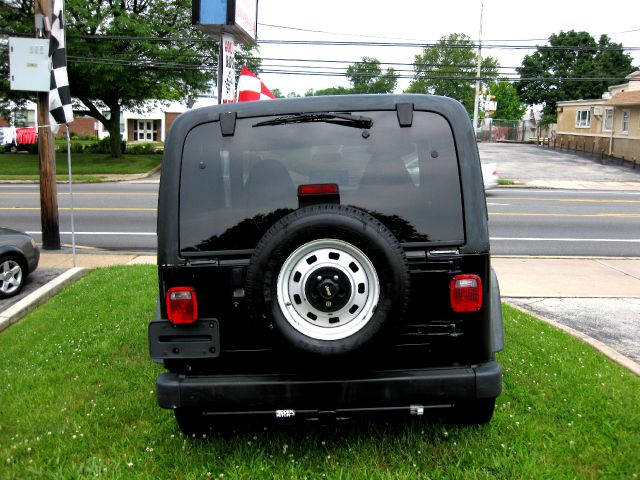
101,146
142,148
80,136
77,147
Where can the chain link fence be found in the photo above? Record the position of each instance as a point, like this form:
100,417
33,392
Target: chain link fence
514,131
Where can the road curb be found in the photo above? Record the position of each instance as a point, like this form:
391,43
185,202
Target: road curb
607,351
14,313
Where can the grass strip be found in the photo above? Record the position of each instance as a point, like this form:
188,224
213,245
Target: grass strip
18,164
59,178
77,396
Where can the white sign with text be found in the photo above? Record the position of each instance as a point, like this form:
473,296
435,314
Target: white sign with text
228,69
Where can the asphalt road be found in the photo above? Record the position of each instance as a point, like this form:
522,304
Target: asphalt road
564,223
122,216
113,216
613,321
34,281
530,164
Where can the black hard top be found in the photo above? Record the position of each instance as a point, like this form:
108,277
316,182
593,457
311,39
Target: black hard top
476,225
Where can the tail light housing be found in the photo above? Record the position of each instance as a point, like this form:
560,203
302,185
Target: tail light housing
466,293
182,305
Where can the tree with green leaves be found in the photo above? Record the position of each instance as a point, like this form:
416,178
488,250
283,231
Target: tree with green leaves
449,68
557,71
277,93
123,54
510,107
328,91
365,77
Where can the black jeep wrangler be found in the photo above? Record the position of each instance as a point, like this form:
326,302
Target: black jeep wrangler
323,257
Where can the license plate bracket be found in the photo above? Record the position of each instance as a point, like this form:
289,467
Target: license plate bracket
198,340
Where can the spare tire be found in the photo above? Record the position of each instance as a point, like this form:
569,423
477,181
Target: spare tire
329,278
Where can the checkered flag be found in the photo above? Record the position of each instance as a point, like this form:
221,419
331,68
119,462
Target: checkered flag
250,87
59,95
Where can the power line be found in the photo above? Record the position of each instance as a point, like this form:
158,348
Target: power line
414,39
444,46
299,69
469,78
293,62
382,36
352,43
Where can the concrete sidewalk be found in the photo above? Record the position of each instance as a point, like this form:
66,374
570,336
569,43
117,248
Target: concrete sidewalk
518,276
93,260
568,277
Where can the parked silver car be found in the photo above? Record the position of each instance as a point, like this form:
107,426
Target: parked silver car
19,256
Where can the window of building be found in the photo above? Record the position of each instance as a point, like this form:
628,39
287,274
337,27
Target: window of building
583,118
145,131
25,118
608,120
108,116
625,121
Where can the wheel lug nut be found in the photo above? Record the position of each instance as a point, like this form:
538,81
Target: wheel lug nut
319,278
335,278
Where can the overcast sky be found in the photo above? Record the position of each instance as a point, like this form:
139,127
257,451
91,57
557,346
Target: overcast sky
425,21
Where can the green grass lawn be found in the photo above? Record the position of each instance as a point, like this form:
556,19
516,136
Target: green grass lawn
24,166
77,401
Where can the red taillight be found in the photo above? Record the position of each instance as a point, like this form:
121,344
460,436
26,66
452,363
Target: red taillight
318,189
182,305
466,293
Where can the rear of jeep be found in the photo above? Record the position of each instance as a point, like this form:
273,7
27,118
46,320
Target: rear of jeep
324,257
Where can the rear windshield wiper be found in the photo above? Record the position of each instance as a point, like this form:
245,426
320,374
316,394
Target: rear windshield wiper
346,119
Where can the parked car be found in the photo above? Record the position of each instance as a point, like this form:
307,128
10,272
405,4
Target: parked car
324,257
490,175
19,256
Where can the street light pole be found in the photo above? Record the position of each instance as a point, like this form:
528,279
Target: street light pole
476,99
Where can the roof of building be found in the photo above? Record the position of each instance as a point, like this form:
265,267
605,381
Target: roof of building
594,101
625,98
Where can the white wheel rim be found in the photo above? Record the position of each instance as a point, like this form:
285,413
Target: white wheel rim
10,276
353,307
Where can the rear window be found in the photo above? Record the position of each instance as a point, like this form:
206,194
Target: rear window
232,189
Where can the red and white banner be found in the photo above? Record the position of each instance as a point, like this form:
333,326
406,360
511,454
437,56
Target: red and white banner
250,87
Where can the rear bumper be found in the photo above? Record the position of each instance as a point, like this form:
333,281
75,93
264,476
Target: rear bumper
398,389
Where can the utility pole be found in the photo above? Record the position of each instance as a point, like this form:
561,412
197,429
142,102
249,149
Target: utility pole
46,152
476,100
